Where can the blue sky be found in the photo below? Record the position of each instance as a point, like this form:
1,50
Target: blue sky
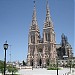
16,17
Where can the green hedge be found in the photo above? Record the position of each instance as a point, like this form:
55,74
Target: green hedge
52,68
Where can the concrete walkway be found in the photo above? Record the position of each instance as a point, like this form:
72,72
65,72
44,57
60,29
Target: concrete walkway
44,71
39,71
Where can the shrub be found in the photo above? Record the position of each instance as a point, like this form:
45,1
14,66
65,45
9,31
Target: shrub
52,68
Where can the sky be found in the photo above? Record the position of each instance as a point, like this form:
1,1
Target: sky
16,17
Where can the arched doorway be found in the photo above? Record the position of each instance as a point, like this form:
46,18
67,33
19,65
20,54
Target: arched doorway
40,62
31,62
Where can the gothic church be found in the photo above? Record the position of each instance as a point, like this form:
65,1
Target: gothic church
41,51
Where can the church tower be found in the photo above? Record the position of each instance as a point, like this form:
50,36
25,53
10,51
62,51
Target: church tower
49,39
66,47
34,36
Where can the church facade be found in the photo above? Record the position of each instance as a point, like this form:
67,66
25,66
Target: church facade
42,51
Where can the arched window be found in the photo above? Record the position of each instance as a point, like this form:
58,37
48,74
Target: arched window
47,36
32,38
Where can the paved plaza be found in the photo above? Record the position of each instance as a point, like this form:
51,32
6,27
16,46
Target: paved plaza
45,72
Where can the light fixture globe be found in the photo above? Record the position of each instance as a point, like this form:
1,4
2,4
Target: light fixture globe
5,46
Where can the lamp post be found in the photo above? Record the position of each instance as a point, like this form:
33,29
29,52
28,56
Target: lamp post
5,48
57,65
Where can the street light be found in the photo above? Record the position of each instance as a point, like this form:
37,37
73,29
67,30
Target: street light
5,48
57,65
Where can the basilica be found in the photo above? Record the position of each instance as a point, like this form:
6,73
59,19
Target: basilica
45,51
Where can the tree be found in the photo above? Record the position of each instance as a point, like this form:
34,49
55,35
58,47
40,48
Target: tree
9,68
1,66
12,69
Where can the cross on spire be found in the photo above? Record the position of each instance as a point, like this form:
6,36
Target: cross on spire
34,3
47,10
47,1
34,12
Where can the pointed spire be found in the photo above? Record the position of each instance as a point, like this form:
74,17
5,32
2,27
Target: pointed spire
62,36
47,11
34,25
47,5
34,12
48,21
34,3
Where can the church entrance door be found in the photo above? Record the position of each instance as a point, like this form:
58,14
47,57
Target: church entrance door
40,62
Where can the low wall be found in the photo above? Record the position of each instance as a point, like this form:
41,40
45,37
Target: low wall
25,67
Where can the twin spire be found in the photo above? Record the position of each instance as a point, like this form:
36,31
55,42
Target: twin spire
47,11
48,20
34,13
34,25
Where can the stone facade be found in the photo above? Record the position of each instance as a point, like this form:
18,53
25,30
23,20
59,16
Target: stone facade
41,51
44,51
